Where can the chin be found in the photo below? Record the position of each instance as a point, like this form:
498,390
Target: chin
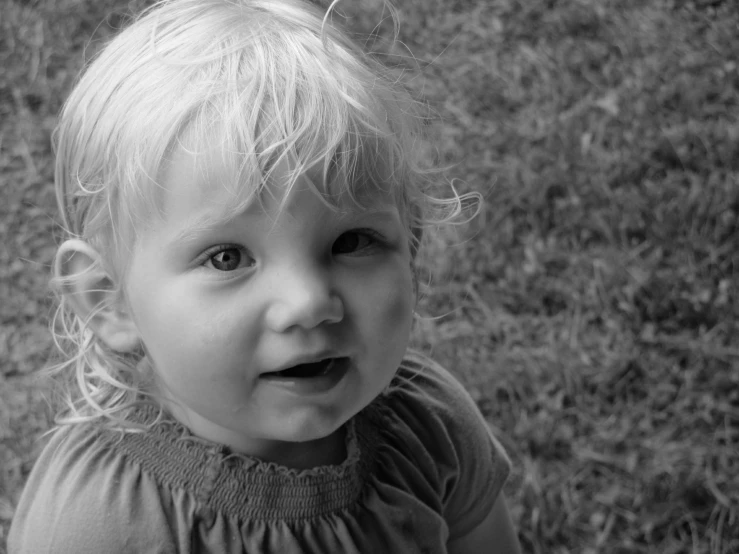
313,428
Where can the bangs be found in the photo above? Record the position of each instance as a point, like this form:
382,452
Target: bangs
310,110
271,84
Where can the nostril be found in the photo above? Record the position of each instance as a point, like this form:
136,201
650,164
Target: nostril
291,310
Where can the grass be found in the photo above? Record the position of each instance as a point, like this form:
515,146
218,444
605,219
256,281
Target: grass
591,309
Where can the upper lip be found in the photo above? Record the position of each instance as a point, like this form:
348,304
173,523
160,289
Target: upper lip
306,359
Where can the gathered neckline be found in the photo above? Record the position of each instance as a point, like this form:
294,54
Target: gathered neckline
244,486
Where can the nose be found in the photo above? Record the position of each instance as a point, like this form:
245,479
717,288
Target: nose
303,298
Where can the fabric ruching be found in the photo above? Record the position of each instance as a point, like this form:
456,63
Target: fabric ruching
421,468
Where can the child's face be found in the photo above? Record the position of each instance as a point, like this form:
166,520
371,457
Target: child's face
222,305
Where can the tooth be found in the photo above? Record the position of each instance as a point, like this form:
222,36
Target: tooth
329,367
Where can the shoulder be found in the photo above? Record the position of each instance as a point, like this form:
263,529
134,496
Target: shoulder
425,381
430,398
433,413
84,496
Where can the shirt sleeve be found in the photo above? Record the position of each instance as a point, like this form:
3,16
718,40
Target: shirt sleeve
471,465
82,497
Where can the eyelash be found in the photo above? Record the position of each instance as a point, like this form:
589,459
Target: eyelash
371,233
376,239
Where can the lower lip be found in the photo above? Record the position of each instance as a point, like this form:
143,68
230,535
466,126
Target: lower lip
312,385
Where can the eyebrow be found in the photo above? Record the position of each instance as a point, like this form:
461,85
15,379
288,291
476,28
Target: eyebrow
383,212
211,220
204,222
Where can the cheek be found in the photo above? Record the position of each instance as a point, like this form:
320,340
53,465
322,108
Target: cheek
174,327
393,303
399,307
202,333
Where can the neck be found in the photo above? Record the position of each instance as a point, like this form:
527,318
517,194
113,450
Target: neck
330,450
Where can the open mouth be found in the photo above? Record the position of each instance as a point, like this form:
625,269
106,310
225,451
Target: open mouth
313,369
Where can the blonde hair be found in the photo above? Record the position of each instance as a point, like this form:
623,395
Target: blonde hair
272,80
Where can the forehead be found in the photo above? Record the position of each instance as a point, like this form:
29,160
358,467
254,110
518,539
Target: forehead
206,178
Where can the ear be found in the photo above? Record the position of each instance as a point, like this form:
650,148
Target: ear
93,295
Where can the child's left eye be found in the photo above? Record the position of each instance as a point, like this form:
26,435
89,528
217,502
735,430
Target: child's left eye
353,242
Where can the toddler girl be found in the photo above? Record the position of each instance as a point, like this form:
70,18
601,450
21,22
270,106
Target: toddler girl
244,199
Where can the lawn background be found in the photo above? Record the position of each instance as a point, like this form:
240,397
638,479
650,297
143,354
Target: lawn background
591,308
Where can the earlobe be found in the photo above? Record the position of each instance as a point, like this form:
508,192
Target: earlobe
92,293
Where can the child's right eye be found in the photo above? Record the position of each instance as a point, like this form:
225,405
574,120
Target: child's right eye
227,258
